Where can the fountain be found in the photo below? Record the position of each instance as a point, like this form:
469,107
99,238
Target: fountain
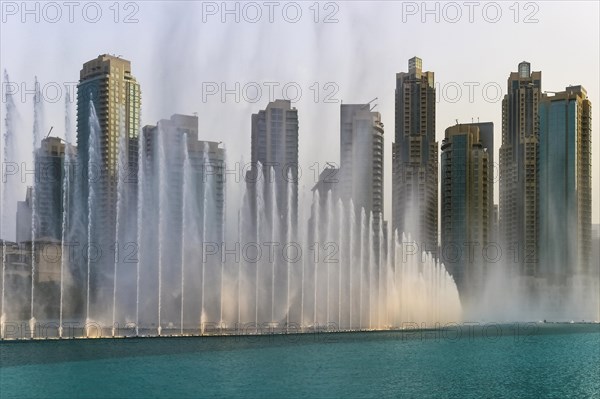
37,121
8,190
93,161
351,273
122,154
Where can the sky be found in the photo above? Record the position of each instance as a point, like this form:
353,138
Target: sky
186,55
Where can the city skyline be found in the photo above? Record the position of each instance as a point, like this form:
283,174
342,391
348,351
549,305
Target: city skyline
176,163
524,69
336,199
353,84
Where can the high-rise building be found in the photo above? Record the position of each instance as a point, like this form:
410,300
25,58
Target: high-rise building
565,191
495,214
361,163
518,168
415,157
275,146
165,151
184,179
466,206
49,195
208,159
24,213
486,137
108,83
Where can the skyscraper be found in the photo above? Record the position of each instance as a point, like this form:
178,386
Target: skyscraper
361,163
518,168
50,172
190,197
165,149
106,82
275,147
466,206
415,157
565,196
24,210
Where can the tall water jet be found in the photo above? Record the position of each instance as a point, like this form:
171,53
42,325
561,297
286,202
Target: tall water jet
289,239
241,238
205,213
302,279
162,209
260,206
141,174
361,264
6,187
316,228
93,161
122,154
328,241
274,232
186,206
369,270
352,239
37,121
381,268
342,251
223,222
66,187
202,322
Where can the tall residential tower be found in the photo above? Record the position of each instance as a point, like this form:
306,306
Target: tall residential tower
518,168
275,147
361,166
466,206
107,83
415,157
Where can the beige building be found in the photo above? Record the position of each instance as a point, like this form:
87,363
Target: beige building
415,157
519,151
108,83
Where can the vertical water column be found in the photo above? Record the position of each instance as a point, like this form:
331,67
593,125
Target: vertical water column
163,195
122,156
141,186
342,251
207,194
66,187
350,268
6,187
316,237
37,116
328,244
187,219
289,239
93,161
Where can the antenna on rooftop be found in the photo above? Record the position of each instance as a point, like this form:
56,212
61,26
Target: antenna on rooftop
367,104
50,131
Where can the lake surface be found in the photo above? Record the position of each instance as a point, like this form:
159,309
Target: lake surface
511,360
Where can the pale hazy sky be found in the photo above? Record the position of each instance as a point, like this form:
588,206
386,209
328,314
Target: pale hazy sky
175,52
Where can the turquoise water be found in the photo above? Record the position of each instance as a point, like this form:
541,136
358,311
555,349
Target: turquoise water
532,361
